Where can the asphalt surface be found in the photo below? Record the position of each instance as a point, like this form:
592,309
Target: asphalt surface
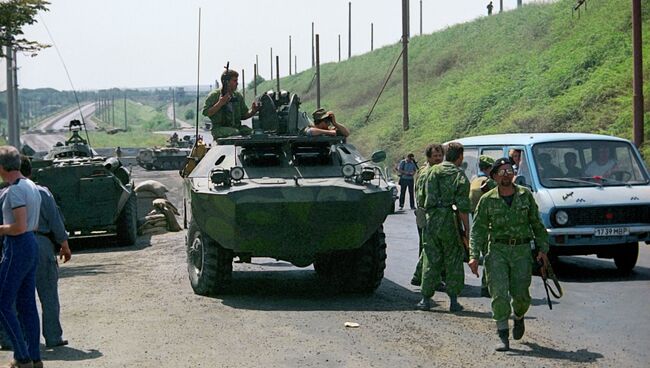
134,307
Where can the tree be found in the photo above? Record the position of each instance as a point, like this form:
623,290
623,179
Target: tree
258,80
189,114
14,14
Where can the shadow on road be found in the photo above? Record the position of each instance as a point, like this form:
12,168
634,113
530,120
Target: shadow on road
590,269
69,354
302,290
87,270
578,356
106,244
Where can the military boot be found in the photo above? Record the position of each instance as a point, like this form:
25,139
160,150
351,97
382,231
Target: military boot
485,293
424,304
505,344
518,329
416,281
454,306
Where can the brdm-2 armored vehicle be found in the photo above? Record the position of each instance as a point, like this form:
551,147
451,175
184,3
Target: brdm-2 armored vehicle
280,194
95,194
171,157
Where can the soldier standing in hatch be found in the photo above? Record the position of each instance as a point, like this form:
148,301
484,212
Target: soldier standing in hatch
507,220
226,108
479,186
446,185
435,155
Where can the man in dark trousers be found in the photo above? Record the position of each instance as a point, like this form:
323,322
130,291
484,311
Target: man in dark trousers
51,237
407,169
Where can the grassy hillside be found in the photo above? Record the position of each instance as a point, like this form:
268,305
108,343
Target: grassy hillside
534,69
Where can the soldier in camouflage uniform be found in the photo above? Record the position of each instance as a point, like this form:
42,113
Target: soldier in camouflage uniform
479,186
506,221
435,155
445,185
226,111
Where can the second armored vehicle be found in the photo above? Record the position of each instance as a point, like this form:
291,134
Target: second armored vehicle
171,157
288,196
95,194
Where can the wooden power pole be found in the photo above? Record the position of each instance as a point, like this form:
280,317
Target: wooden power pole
405,64
638,72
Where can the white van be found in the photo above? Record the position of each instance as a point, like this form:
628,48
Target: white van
593,191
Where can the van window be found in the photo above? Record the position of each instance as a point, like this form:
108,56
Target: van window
470,162
587,163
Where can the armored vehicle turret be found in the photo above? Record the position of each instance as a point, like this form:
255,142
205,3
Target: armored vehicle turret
281,194
95,194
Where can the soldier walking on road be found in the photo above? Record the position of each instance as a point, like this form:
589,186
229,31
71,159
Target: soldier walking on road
446,186
435,155
506,221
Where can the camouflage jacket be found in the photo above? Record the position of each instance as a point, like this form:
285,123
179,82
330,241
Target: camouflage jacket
495,221
476,192
420,180
230,114
442,186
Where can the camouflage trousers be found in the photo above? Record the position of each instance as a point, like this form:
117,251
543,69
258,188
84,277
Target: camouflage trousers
442,252
223,132
508,269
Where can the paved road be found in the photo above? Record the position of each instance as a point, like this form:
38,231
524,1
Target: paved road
54,129
134,307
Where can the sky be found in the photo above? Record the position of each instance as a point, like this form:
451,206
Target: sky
153,43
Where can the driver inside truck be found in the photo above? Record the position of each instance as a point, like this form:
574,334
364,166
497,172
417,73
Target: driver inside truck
602,164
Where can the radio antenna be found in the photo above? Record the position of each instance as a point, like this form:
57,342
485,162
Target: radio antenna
198,73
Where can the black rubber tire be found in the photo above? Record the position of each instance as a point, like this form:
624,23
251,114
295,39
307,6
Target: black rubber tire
148,166
626,257
209,265
127,222
359,270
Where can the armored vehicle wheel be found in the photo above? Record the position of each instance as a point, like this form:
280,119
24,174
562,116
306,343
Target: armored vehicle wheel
209,265
359,270
148,166
626,257
127,225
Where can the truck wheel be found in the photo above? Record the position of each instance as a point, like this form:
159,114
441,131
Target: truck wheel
209,265
127,225
626,257
359,270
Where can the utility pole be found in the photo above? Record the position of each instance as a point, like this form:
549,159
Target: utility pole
277,71
638,72
372,36
339,48
295,64
317,73
271,63
243,84
257,63
12,122
349,29
113,108
421,17
174,106
313,62
289,55
125,121
500,6
255,79
519,3
405,64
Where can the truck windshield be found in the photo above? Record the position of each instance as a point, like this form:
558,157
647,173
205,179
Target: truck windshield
587,163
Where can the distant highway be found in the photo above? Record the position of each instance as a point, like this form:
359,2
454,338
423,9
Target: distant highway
54,129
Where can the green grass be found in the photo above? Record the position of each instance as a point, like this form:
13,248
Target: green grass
142,120
534,69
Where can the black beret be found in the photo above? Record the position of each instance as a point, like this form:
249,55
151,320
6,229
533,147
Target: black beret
498,163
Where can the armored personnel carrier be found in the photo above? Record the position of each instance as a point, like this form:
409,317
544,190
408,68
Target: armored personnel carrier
280,194
95,194
171,157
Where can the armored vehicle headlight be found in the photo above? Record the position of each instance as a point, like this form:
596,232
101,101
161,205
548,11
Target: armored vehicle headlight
219,176
561,217
367,174
237,173
348,170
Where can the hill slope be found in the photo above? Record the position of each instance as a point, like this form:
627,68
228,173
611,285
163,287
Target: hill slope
533,69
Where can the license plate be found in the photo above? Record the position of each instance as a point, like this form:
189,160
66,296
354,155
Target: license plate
612,231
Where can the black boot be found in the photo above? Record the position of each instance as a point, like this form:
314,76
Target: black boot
424,304
504,345
518,329
454,306
485,293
